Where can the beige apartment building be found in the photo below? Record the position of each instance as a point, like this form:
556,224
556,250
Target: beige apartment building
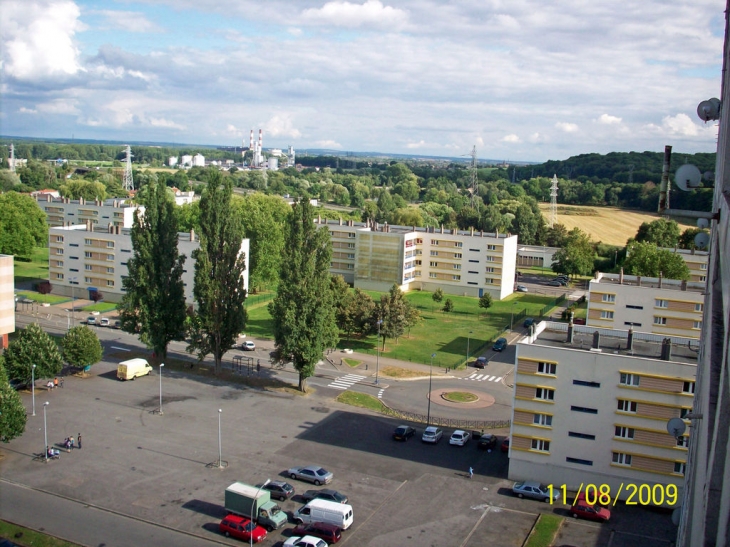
68,212
647,304
375,257
591,406
7,298
85,258
696,261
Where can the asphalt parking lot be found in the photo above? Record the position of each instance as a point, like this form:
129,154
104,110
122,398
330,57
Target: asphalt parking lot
156,468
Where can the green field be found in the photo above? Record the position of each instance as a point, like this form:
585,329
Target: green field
43,298
36,269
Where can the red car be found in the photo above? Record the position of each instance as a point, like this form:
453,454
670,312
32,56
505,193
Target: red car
591,512
504,447
328,532
242,528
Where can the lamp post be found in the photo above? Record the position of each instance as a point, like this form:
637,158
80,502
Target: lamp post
512,315
72,281
256,507
430,375
161,365
377,357
468,339
220,450
45,431
32,386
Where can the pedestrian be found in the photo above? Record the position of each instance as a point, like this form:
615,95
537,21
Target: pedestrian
71,441
471,473
78,439
55,382
61,382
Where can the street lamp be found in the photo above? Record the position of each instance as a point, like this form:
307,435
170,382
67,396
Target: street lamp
468,338
220,450
32,386
253,515
161,365
377,357
512,314
430,375
45,432
72,281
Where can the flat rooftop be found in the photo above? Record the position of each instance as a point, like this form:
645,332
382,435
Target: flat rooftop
378,227
645,345
649,282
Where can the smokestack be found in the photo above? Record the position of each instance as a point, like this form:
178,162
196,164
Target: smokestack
660,280
261,139
621,276
596,340
570,329
250,143
666,349
630,341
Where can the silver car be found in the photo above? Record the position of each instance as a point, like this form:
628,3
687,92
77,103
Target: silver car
459,437
534,490
311,473
432,434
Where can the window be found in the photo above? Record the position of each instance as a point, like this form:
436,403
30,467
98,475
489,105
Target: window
457,266
457,255
126,250
73,244
542,419
606,314
624,432
58,239
491,247
490,259
696,324
627,406
434,242
660,320
659,303
546,368
432,275
59,263
110,244
489,269
434,253
74,257
584,409
633,307
87,280
680,467
683,441
541,445
472,282
351,256
350,245
703,266
683,412
581,435
109,258
458,244
456,278
474,250
351,235
579,461
433,264
473,273
474,261
87,241
87,267
544,394
688,387
703,278
489,281
632,324
620,458
629,379
110,270
87,254
698,307
109,283
608,298
59,251
58,275
585,383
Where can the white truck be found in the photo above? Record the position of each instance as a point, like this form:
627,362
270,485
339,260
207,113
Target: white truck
131,369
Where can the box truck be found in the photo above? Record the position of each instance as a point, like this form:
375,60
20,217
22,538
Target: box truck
129,370
254,503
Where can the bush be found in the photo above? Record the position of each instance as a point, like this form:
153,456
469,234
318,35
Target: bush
44,287
96,296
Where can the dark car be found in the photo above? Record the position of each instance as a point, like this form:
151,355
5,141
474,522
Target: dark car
280,490
487,442
242,528
328,532
481,362
504,447
528,322
403,432
500,344
19,385
324,494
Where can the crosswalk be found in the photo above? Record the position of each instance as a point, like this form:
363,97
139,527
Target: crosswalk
380,393
483,378
346,381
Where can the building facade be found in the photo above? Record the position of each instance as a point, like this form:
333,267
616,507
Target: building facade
67,212
697,262
7,298
594,410
535,256
659,306
375,257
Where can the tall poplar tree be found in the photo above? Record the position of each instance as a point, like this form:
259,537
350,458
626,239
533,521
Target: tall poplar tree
154,301
219,266
12,412
304,311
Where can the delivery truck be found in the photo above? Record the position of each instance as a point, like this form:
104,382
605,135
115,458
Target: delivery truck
254,503
129,370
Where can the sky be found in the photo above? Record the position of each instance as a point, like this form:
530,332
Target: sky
520,80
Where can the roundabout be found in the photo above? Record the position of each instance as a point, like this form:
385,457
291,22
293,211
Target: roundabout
461,398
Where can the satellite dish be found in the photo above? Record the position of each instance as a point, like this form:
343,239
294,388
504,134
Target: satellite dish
709,176
702,240
709,109
702,223
688,177
676,427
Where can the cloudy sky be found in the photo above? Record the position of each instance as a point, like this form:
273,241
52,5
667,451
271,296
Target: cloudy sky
522,80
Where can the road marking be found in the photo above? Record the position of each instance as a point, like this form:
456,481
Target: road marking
380,393
483,378
120,349
346,381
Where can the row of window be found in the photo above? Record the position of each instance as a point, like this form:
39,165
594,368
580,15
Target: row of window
658,303
625,379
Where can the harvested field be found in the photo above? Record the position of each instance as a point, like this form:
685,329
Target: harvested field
609,225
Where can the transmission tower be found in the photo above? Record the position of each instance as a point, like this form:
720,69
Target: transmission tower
127,181
473,173
554,201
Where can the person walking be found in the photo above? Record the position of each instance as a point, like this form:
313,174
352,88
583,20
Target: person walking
55,382
471,473
78,439
61,381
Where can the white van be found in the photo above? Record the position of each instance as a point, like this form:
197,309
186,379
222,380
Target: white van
129,370
331,512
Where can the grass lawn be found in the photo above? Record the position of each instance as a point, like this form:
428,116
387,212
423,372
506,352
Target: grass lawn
351,362
544,531
360,399
43,298
36,269
27,537
101,307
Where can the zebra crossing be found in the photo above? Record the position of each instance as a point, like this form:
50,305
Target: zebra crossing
346,381
380,393
483,378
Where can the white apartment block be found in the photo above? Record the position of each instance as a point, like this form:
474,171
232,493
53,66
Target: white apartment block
375,257
7,298
660,306
67,212
535,256
593,409
85,258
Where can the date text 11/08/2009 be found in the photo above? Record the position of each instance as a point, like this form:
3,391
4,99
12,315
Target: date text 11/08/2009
636,494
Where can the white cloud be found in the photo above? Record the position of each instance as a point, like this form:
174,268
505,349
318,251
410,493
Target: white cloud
344,14
536,137
38,38
511,138
129,21
24,110
328,144
281,126
567,127
607,119
167,124
415,145
59,106
681,124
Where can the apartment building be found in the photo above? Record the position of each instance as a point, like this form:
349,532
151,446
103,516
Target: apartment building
535,256
7,298
375,257
86,258
648,304
591,406
696,261
67,212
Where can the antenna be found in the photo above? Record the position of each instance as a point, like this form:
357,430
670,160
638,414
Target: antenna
554,201
474,177
127,181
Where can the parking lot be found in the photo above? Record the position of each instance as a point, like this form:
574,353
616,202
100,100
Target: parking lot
160,468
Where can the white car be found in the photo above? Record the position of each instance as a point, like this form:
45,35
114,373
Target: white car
459,437
306,541
104,322
432,434
248,346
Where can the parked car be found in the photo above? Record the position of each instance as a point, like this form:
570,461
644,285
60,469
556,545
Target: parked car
241,528
522,288
91,320
500,344
324,494
104,322
555,283
18,385
481,362
432,434
403,432
528,322
280,490
328,532
459,437
311,473
487,442
117,324
591,512
534,490
504,447
248,346
306,541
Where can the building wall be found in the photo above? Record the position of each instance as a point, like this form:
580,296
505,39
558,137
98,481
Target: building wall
64,212
535,256
7,298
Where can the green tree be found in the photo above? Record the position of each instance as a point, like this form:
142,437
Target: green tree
154,300
81,188
32,347
356,315
12,412
219,267
22,225
577,256
393,311
485,301
303,312
687,239
448,306
81,347
646,259
662,232
437,296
